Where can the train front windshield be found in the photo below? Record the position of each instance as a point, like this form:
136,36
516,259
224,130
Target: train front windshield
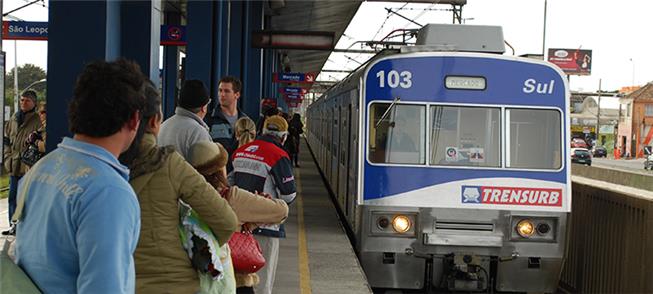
397,137
465,136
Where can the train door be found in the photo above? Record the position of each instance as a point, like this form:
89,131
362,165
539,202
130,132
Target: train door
327,144
335,141
342,158
352,186
320,135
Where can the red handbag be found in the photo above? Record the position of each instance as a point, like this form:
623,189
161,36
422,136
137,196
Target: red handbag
246,254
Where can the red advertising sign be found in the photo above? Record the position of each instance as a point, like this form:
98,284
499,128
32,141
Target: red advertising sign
572,61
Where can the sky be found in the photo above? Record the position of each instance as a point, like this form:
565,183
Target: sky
615,31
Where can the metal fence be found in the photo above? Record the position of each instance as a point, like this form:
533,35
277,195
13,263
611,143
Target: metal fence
610,248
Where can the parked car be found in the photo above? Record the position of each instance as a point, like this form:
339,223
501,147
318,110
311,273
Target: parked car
648,163
599,151
581,155
578,143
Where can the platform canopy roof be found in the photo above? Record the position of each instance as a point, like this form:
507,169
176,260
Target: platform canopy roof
315,15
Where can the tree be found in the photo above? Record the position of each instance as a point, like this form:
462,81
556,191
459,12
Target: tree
27,74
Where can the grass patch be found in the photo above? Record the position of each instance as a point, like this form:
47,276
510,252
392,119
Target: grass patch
4,184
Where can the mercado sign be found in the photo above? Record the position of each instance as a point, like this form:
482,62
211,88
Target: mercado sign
294,77
294,97
572,61
292,90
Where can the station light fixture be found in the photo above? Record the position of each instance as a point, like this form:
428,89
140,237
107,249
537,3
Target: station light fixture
308,40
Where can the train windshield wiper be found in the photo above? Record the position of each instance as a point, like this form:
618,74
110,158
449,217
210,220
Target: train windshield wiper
394,102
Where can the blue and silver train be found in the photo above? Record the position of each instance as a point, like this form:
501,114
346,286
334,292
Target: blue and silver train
449,162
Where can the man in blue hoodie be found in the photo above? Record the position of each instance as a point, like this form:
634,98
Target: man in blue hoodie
78,217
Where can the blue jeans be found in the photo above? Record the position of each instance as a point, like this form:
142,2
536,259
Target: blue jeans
13,190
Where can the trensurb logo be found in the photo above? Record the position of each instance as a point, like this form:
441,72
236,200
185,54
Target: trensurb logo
252,148
471,194
525,196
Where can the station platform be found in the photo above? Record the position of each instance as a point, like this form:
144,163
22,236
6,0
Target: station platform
315,256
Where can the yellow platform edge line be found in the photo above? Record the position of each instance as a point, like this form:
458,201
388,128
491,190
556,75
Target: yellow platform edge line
304,271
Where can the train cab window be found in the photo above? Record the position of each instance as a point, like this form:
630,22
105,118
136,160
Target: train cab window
397,137
465,136
533,139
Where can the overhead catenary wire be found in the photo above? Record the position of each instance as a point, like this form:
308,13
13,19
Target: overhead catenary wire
388,15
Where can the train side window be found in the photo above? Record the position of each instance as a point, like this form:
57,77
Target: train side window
534,139
465,136
399,137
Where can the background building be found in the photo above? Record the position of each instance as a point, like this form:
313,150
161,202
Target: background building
636,124
584,114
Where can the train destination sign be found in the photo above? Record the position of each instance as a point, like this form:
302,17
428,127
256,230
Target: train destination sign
25,30
292,90
294,77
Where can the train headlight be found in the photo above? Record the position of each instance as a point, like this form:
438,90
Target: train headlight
401,223
525,228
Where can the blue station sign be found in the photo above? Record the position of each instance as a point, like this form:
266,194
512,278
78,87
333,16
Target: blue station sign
298,97
25,30
173,35
294,77
292,90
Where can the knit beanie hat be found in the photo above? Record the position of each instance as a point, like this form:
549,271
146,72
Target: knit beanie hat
276,123
208,157
193,94
29,94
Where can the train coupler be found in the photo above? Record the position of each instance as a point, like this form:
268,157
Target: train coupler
466,272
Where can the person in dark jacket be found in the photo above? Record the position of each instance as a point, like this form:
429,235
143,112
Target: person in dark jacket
266,112
263,166
295,128
22,124
224,117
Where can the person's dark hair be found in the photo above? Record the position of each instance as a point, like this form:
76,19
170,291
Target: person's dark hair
270,112
106,96
296,116
29,94
217,180
236,85
193,95
151,109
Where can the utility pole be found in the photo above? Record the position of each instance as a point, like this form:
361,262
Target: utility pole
2,95
633,76
544,33
598,114
17,95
